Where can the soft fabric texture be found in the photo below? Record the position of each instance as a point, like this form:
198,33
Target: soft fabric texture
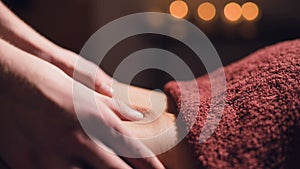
260,124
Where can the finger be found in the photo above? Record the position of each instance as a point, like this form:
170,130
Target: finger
101,157
93,77
96,155
123,111
114,135
103,86
103,83
138,154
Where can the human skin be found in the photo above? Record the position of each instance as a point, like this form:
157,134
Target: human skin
259,126
53,84
159,117
21,35
40,113
51,108
39,126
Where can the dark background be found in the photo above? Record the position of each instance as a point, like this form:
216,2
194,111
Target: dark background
70,23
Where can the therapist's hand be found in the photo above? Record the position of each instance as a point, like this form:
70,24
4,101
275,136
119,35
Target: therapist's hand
67,61
39,126
21,35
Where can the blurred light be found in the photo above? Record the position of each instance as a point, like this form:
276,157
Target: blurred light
250,11
206,11
178,9
233,11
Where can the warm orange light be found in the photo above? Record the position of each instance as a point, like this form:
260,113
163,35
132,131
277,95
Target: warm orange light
250,11
178,9
233,11
206,11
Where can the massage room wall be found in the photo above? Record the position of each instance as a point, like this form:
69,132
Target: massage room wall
71,22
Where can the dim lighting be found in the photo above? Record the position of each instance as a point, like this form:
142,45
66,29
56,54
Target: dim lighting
179,31
233,11
178,9
250,11
155,21
206,11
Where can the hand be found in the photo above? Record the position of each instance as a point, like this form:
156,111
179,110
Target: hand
21,35
39,124
159,123
66,60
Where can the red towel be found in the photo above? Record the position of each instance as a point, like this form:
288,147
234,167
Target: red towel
260,125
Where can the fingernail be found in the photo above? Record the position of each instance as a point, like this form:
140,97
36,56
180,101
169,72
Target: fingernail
136,115
130,113
127,111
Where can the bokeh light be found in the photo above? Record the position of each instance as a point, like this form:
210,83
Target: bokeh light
206,11
178,9
250,11
233,11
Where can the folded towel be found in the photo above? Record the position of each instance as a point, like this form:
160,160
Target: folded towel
260,124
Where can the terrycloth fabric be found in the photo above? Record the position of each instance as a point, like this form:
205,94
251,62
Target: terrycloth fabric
260,125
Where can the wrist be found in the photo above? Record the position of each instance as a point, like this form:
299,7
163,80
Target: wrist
44,50
62,59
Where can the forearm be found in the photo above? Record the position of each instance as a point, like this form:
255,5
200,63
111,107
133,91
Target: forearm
18,33
33,70
21,35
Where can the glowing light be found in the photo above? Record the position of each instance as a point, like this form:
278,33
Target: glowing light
178,9
233,11
206,11
250,11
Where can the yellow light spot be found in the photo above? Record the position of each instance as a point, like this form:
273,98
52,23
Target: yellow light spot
178,9
206,11
250,11
233,11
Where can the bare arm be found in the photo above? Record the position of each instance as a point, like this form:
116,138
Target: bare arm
39,124
17,32
21,35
